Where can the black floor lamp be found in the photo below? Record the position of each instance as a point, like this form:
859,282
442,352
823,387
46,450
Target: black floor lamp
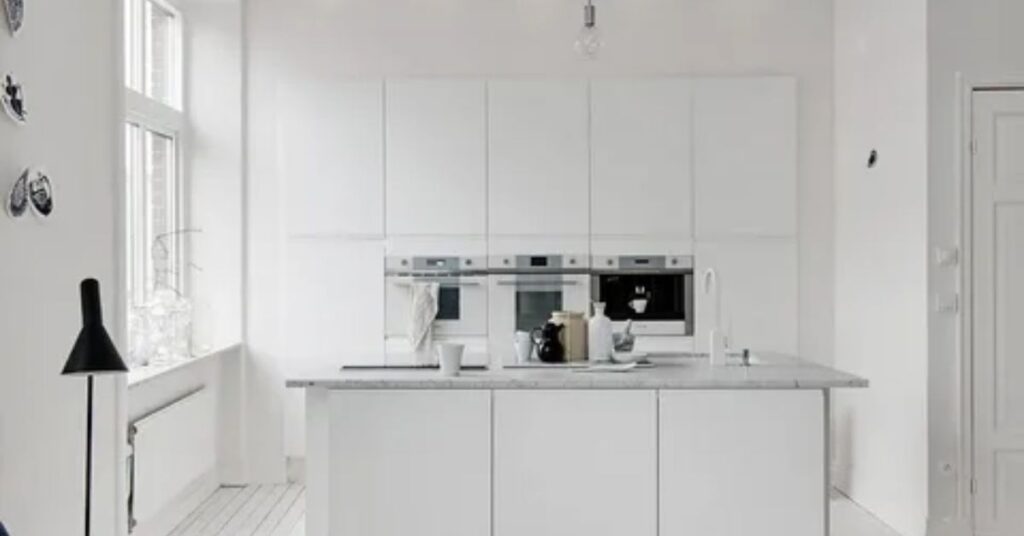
94,353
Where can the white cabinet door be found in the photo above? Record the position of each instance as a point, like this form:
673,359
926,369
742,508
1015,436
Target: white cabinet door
640,135
410,462
575,462
538,157
740,463
436,157
745,156
757,280
331,143
334,303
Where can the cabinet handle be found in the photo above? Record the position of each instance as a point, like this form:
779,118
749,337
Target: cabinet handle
542,282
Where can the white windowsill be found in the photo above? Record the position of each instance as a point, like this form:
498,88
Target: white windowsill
140,375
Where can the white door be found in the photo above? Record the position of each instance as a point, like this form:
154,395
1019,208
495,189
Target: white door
410,462
998,312
575,463
757,281
742,463
538,157
745,156
331,143
436,157
640,135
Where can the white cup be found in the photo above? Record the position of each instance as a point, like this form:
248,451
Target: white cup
523,342
450,357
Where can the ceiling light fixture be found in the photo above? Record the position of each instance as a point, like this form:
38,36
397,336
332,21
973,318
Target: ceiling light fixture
589,40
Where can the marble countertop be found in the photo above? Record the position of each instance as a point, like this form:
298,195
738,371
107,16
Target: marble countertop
768,372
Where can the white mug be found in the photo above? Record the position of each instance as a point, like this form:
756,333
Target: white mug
523,342
450,358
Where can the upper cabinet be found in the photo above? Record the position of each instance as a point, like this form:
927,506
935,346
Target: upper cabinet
331,143
745,156
538,157
641,142
436,157
756,299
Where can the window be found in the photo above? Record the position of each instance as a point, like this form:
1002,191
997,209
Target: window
154,188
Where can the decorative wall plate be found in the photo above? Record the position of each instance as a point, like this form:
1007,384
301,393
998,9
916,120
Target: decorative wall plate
33,190
40,193
13,99
15,14
17,199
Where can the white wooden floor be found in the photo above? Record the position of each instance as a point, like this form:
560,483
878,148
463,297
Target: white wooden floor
271,510
281,511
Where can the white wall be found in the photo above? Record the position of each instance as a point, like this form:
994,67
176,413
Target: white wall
880,255
213,99
315,42
981,42
67,58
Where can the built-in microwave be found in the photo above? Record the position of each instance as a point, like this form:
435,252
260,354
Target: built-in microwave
654,291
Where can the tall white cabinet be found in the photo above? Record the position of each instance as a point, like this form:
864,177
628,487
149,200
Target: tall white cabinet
641,154
745,190
331,143
745,157
538,157
436,157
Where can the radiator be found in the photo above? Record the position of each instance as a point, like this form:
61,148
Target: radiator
171,449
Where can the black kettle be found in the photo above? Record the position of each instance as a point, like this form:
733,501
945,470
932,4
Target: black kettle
549,344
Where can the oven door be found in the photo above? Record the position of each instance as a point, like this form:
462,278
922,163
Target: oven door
462,306
522,302
658,303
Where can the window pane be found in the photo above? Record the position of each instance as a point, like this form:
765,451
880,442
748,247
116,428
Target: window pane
161,69
161,244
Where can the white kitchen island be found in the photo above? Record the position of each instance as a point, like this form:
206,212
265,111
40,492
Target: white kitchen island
679,449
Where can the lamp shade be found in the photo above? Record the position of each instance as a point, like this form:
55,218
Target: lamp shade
94,352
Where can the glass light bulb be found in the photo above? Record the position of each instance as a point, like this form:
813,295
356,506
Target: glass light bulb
589,41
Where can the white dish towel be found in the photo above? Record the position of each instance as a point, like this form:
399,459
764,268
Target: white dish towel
421,317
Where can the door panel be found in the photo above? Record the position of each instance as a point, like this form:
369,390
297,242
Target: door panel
640,134
745,157
410,462
537,157
575,463
436,157
998,311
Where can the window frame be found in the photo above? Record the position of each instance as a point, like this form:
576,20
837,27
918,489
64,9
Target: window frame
151,114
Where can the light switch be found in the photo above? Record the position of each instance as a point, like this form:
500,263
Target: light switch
947,256
947,303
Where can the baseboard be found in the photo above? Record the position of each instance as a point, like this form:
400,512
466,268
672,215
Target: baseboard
184,504
295,470
951,527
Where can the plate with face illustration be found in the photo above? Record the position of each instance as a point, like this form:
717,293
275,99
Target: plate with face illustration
33,191
15,14
13,99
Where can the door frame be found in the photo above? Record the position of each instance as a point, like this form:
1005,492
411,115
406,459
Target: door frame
966,479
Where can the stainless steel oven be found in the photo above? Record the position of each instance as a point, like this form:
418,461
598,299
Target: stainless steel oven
654,291
526,289
462,300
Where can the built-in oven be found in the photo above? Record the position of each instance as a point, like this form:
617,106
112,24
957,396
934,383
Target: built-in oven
461,302
654,291
526,289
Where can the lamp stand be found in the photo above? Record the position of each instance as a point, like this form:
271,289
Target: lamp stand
88,460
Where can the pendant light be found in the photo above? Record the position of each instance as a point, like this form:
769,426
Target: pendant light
589,41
